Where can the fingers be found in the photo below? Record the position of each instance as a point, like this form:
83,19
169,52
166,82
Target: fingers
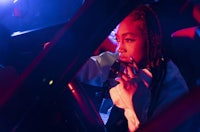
123,83
123,79
131,71
120,80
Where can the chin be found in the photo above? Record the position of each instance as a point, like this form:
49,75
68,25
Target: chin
124,59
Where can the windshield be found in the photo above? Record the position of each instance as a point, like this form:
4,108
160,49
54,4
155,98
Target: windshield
22,15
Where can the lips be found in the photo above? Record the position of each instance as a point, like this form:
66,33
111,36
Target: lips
124,58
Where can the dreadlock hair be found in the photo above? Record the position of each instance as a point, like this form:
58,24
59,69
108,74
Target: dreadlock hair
156,61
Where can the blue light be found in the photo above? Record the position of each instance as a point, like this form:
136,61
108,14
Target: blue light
14,1
5,2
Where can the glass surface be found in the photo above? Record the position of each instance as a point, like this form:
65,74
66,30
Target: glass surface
22,15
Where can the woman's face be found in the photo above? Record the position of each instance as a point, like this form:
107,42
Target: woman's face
132,41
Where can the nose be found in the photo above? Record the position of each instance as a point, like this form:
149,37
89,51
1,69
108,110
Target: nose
121,48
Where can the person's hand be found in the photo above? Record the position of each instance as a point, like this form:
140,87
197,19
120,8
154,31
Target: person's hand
129,81
122,93
121,96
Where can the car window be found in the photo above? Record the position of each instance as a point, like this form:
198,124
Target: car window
22,15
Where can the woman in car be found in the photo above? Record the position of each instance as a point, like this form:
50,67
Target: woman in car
147,80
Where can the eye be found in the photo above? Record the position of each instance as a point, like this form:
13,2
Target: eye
129,40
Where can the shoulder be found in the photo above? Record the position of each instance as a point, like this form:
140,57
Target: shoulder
173,72
172,88
174,80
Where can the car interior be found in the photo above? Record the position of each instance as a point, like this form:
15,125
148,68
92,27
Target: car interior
47,42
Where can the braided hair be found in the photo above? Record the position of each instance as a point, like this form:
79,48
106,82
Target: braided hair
156,61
